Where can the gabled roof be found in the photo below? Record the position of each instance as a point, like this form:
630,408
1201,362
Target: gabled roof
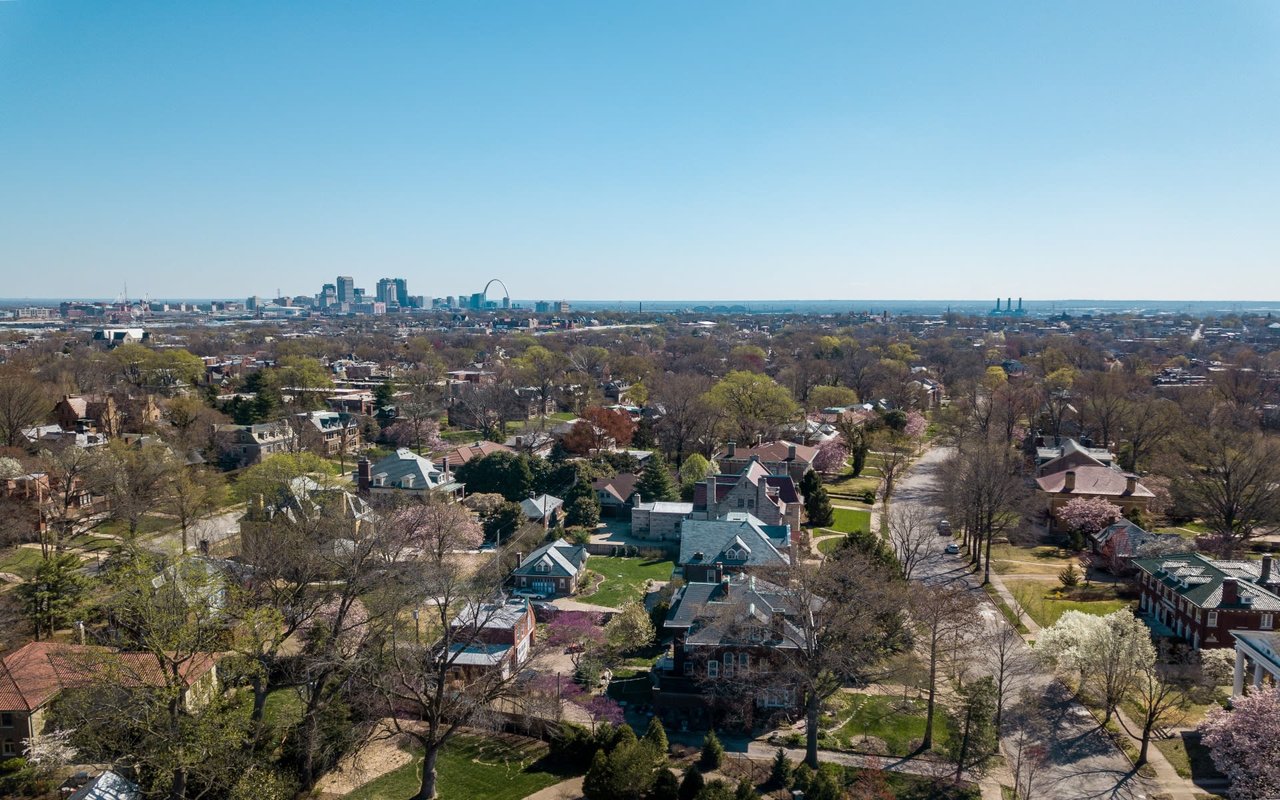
562,559
753,474
739,541
491,616
620,486
714,613
466,452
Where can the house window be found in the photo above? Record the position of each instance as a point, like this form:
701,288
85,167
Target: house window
1266,622
739,502
6,720
751,503
713,669
542,567
1213,619
8,749
743,661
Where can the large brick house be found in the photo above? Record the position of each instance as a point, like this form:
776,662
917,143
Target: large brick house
729,637
329,433
774,499
246,445
1121,488
490,636
32,676
778,458
1202,600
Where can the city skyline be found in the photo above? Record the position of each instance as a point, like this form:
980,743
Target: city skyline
660,152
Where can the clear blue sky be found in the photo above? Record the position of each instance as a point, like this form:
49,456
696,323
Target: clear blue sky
728,150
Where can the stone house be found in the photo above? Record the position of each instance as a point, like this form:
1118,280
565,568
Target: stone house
778,458
774,499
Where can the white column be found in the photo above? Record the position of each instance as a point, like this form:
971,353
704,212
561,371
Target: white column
1257,675
1237,681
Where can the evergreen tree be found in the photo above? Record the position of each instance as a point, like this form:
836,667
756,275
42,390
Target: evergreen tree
817,506
656,737
780,771
712,751
745,791
655,482
666,786
598,780
810,483
581,506
972,735
692,783
54,592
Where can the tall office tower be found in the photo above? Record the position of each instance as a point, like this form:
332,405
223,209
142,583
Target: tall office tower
386,291
402,293
346,289
328,295
477,300
506,302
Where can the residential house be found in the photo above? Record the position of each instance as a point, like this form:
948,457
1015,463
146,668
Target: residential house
490,636
552,570
246,445
1116,545
615,494
405,473
778,458
729,636
659,520
712,548
1071,454
89,414
1202,600
1120,488
327,507
774,499
39,500
329,433
33,676
466,452
543,509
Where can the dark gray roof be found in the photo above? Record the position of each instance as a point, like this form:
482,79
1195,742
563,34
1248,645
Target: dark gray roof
739,540
1199,579
403,464
713,613
560,558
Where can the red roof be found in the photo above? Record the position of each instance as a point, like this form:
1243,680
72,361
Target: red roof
465,452
31,675
770,451
1092,481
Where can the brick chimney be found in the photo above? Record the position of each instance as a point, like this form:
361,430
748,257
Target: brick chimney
730,449
1130,483
1265,577
1069,481
364,475
711,495
519,559
791,452
444,468
724,586
775,625
1230,592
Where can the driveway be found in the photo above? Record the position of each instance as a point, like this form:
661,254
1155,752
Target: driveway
1084,762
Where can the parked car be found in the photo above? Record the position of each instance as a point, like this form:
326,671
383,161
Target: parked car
953,549
528,594
944,528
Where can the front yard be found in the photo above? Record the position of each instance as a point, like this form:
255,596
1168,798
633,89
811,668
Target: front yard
624,578
1046,601
474,767
880,723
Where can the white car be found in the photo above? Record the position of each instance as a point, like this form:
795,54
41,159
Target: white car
528,594
952,549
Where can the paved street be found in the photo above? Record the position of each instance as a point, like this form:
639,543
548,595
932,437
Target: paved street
1084,762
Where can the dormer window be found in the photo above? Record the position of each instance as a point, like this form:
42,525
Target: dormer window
542,566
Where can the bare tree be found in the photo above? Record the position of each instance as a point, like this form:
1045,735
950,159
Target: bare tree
984,490
895,456
1026,748
845,617
1146,424
23,403
911,531
1158,697
944,613
1005,655
687,421
1229,481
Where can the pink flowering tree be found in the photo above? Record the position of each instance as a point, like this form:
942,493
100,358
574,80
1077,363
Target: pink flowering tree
1245,744
418,434
916,425
1086,515
578,633
831,457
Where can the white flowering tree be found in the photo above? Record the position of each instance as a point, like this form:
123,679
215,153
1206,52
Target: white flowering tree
51,751
1108,654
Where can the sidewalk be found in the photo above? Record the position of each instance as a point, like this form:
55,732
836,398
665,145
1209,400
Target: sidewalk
1171,783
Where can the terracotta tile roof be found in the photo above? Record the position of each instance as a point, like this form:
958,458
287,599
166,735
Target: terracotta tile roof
770,451
31,675
465,452
620,486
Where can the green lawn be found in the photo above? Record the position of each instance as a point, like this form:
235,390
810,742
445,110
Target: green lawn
848,520
146,525
471,768
1188,757
21,561
624,578
828,545
1041,602
899,725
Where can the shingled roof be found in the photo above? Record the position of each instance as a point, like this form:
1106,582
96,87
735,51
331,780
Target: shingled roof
1199,578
